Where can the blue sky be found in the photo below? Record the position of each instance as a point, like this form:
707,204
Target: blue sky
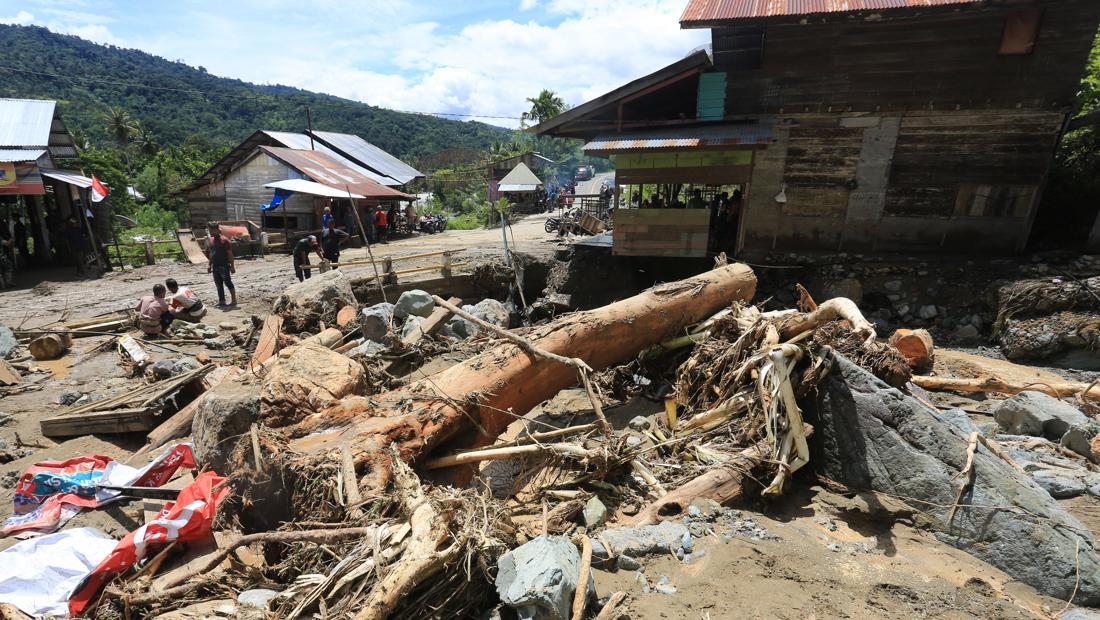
454,56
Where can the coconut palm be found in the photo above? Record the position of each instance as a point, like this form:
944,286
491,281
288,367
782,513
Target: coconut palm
120,125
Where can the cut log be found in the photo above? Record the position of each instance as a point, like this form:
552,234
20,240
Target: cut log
985,385
50,346
916,345
836,308
327,338
346,315
433,323
473,402
114,421
269,339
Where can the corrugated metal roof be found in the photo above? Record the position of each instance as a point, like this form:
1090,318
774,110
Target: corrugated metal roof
20,155
67,176
301,141
302,186
327,171
520,175
693,138
366,154
26,122
705,12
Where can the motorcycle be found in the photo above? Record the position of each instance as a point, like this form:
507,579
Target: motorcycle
431,224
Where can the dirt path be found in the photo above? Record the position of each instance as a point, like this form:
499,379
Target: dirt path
44,296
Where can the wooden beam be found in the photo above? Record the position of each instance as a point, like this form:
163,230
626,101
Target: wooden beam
269,339
433,323
9,375
114,421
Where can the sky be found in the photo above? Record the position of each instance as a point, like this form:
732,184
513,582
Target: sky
454,56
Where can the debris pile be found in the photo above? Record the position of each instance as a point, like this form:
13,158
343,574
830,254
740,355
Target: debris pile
335,484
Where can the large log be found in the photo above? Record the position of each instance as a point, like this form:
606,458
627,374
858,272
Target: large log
473,402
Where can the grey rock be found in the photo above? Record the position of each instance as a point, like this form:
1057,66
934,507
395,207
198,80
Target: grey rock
1078,613
870,436
988,429
927,312
1059,485
260,598
374,322
8,342
967,332
665,537
491,311
835,548
1039,415
903,310
305,305
411,325
219,344
1079,439
595,513
892,285
461,328
639,423
847,287
538,579
625,562
69,397
170,368
222,415
414,303
367,349
960,420
665,589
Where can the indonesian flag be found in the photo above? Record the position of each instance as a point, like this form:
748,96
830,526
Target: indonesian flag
99,190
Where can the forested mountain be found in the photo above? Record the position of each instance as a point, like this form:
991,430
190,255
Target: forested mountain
95,76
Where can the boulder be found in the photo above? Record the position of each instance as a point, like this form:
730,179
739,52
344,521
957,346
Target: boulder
374,322
967,333
960,420
69,396
461,328
414,303
223,414
927,312
411,325
305,379
664,538
8,342
538,579
871,437
1059,485
595,513
305,305
1039,415
491,311
1080,438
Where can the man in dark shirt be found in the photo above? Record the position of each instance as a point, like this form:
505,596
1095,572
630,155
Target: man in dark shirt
302,249
78,244
20,233
221,263
331,240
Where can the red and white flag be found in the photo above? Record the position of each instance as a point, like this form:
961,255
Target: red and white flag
99,190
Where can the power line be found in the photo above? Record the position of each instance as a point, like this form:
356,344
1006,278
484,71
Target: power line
201,93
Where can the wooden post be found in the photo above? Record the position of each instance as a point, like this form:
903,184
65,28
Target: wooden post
286,229
85,197
149,258
446,265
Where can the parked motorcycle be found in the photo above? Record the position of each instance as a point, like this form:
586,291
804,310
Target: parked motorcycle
432,224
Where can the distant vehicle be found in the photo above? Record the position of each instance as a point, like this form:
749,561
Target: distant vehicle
432,224
583,173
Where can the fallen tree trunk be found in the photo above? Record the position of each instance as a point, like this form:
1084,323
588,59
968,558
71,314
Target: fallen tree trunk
473,402
1057,389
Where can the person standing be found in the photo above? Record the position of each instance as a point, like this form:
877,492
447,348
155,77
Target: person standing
221,263
154,315
331,240
380,223
302,249
19,233
78,244
326,217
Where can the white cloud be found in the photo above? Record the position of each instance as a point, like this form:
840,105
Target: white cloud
22,18
527,5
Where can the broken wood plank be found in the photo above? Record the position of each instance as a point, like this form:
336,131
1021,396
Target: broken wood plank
131,350
114,421
179,424
433,323
9,375
269,339
1057,389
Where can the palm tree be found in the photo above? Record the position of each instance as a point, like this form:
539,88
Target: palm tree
120,125
144,139
543,108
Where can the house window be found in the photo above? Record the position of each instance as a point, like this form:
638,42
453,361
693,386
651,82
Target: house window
1020,31
982,200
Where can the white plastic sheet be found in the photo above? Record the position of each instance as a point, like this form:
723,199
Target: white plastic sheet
38,575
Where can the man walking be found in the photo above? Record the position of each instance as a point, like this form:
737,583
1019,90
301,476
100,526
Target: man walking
331,240
221,263
302,249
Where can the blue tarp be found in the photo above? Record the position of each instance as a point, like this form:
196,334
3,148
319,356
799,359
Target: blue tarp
277,199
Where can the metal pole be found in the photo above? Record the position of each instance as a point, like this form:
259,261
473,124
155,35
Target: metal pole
309,123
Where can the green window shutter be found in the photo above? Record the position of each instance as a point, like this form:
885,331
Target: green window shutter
711,100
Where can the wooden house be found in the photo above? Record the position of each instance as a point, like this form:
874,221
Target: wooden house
856,125
233,188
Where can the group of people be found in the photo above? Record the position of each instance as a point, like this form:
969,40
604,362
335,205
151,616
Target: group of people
69,242
332,240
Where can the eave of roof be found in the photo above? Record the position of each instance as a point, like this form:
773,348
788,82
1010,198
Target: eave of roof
697,60
710,13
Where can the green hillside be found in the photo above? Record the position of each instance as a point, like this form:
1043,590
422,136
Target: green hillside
228,111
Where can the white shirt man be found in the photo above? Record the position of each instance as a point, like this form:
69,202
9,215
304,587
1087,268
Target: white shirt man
184,303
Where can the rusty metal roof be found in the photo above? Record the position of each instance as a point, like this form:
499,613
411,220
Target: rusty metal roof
302,142
366,154
702,13
683,139
325,170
